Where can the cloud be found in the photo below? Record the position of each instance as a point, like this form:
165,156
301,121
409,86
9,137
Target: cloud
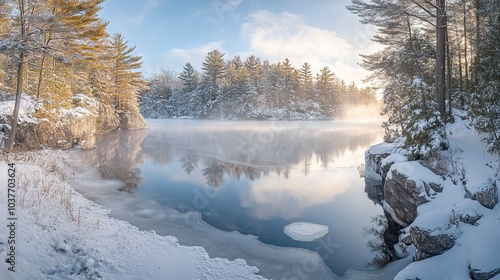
278,36
146,9
267,200
222,7
175,59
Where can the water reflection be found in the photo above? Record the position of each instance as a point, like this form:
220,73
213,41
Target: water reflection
252,151
253,177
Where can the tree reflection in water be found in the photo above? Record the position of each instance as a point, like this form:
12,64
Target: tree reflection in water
250,149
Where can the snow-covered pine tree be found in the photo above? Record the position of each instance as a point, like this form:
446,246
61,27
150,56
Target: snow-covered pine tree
486,100
213,72
189,77
305,82
327,95
406,68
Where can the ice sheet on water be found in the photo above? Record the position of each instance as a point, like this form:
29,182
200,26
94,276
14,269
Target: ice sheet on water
303,231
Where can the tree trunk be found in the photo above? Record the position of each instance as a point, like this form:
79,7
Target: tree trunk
448,68
15,115
440,57
40,77
467,87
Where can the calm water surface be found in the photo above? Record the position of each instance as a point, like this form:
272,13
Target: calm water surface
253,177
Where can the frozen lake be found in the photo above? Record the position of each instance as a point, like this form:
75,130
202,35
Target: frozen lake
232,187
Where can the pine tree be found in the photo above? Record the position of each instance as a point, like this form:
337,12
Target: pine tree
126,83
306,80
214,70
253,67
18,44
402,68
328,97
72,31
189,77
486,102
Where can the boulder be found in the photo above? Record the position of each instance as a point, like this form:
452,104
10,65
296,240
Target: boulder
403,196
429,244
469,211
374,156
405,189
487,194
107,119
132,121
482,275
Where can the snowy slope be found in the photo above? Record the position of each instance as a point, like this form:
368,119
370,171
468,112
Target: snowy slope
476,246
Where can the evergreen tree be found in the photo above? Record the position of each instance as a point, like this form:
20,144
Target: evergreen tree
253,68
213,71
189,77
327,95
126,83
72,32
486,102
306,80
403,72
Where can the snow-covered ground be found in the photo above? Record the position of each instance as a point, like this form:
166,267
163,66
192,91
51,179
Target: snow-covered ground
61,235
476,246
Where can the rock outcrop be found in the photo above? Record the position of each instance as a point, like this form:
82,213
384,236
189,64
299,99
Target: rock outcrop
430,244
107,120
487,195
132,121
405,189
77,131
77,127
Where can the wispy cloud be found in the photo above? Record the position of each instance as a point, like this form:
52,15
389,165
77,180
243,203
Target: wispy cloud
174,59
143,14
286,35
222,7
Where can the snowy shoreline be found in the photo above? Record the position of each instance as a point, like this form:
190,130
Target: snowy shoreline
452,231
62,235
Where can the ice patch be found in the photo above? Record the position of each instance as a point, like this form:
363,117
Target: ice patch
303,231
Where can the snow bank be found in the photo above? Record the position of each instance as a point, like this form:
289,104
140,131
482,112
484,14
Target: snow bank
62,235
474,227
303,231
26,109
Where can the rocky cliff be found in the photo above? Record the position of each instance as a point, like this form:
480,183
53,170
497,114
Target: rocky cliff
71,127
435,211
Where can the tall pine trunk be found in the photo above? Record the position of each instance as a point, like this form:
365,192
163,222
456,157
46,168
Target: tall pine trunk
440,57
15,115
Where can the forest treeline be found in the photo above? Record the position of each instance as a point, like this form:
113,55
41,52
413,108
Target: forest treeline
437,56
58,52
251,89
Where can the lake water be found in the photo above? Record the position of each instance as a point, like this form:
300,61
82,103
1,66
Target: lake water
232,186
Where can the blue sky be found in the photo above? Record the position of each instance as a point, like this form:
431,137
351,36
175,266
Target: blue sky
169,33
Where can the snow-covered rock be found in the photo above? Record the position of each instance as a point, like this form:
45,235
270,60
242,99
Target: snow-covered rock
486,194
408,185
433,233
303,231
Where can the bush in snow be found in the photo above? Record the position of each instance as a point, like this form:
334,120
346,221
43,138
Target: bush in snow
425,134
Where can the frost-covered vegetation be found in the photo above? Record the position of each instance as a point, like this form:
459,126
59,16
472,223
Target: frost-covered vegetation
437,56
251,89
59,54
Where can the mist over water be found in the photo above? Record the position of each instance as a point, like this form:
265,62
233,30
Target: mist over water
231,187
